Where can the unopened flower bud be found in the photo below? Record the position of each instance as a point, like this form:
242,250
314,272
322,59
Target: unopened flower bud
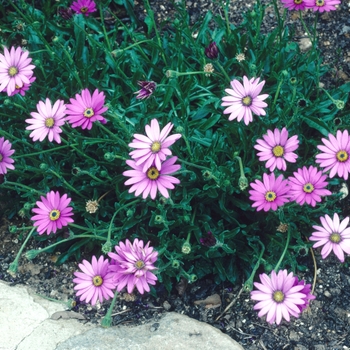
13,229
339,104
27,206
175,264
106,248
186,248
32,254
109,157
243,183
43,166
293,80
193,278
212,51
159,219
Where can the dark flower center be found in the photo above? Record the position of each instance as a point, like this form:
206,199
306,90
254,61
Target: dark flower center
342,156
278,296
308,188
55,214
247,101
88,113
153,173
12,71
139,264
49,122
97,281
156,146
83,9
335,237
270,196
278,151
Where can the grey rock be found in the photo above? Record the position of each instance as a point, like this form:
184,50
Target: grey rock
175,332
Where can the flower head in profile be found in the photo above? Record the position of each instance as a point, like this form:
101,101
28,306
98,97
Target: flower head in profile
52,213
153,180
6,162
308,185
322,5
85,109
244,100
336,154
84,7
212,51
295,4
147,89
132,266
65,12
209,240
25,87
280,295
332,235
15,69
47,121
153,148
95,281
269,194
277,148
306,290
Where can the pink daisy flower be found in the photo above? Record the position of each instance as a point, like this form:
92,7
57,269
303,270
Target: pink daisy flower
279,296
333,235
306,290
323,5
48,121
153,148
132,266
245,100
277,148
308,185
295,4
5,153
153,179
15,69
86,109
336,154
95,282
147,89
25,87
53,213
269,194
84,7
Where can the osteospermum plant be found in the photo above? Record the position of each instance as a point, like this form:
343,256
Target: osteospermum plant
211,142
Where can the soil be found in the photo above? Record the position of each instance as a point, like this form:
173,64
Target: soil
325,325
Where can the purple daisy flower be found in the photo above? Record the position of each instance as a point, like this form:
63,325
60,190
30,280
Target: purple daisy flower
132,265
306,290
147,89
5,152
279,296
308,185
53,213
15,69
336,154
85,109
153,180
25,87
84,7
322,5
277,148
48,121
95,282
295,4
245,100
333,235
269,194
153,148
212,51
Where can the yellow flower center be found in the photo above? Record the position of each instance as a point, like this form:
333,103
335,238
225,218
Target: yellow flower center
83,9
49,122
1,157
342,156
278,151
139,264
247,101
278,296
89,112
12,71
156,146
298,2
153,173
308,188
97,281
270,196
335,237
319,2
55,214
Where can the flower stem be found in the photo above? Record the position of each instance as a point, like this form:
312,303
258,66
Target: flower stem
107,320
284,251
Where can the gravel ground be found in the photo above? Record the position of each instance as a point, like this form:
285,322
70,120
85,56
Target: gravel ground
324,326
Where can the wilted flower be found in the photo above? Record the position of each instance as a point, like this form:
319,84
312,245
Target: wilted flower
212,51
84,6
147,89
240,57
91,206
153,148
333,235
6,162
15,69
95,281
209,240
280,296
132,265
48,121
209,68
245,100
53,213
153,180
